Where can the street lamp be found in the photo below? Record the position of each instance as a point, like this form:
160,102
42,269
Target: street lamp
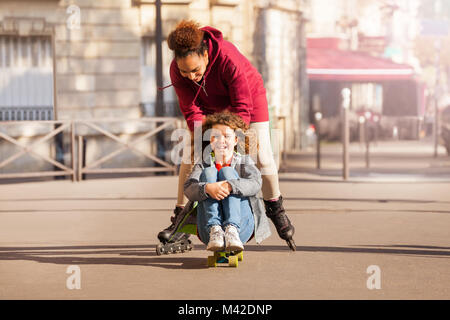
346,93
362,121
318,117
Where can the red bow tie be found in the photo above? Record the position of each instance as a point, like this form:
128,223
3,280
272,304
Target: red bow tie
220,166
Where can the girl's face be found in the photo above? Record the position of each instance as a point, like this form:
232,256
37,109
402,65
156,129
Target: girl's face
193,66
223,140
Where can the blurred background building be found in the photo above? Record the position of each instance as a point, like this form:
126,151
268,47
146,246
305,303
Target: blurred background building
82,59
85,59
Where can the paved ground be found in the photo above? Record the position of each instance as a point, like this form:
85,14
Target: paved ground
108,229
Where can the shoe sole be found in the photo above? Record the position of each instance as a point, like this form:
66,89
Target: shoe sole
234,248
215,248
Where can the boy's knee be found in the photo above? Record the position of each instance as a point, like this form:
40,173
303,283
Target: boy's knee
228,173
209,175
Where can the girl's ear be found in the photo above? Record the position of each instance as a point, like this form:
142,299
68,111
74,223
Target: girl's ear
205,56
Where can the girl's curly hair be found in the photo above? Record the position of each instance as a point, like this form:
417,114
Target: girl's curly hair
187,38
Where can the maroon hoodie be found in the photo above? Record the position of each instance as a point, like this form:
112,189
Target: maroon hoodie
230,83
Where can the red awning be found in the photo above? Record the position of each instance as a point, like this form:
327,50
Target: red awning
339,65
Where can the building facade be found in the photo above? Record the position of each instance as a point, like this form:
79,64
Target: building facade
363,31
85,59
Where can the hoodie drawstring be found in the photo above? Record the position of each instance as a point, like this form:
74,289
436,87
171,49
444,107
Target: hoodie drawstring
202,85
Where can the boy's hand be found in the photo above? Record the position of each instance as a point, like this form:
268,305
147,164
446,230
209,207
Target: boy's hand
218,190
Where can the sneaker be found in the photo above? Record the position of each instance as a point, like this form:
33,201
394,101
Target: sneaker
216,242
232,240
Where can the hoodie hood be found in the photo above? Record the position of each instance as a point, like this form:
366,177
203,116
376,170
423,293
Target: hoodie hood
214,39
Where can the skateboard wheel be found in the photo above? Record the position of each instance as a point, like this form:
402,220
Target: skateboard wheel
212,262
240,256
233,261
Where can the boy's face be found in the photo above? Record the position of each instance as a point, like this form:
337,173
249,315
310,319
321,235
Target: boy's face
223,140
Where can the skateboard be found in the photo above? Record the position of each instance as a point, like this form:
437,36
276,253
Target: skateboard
225,257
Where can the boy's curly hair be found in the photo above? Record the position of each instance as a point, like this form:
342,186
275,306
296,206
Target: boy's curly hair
187,38
246,138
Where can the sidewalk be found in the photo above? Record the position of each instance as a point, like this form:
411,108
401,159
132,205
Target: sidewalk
388,161
108,228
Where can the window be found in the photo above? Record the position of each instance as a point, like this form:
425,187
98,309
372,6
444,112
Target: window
26,78
148,79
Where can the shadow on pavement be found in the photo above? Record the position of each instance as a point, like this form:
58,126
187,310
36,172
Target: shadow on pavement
145,255
138,255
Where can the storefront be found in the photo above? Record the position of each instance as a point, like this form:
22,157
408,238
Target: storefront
380,86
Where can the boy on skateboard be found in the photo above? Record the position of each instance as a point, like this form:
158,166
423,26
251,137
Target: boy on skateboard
225,184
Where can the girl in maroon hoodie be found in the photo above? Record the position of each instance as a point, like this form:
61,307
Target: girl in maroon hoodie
210,75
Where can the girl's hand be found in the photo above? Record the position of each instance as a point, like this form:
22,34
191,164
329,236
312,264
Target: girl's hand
218,190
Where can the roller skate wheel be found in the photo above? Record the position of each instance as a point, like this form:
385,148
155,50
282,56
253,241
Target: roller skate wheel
233,261
158,250
212,262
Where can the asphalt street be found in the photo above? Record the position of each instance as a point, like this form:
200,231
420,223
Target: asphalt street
104,231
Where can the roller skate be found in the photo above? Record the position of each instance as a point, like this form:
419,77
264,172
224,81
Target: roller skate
164,235
175,238
275,212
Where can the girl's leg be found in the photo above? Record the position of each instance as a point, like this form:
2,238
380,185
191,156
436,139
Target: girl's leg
185,170
208,211
266,162
273,200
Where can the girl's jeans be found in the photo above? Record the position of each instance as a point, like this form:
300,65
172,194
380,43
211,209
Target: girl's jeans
233,210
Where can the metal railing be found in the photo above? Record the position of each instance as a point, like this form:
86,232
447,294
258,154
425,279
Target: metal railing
80,131
36,128
93,167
